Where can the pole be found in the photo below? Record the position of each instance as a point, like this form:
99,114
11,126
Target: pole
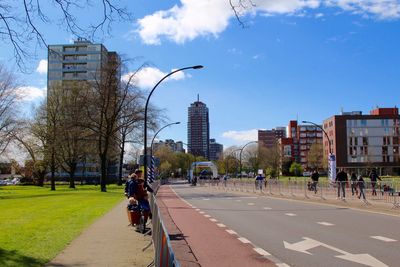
145,113
240,156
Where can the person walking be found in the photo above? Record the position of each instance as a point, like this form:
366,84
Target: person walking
354,183
374,178
341,180
314,178
361,186
259,181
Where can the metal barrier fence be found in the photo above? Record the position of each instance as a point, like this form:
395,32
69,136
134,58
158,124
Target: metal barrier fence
382,191
163,254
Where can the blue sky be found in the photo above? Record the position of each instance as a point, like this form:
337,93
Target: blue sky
305,59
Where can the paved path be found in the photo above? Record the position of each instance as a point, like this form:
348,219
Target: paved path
210,244
107,242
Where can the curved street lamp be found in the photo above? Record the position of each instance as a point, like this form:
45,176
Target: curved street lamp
145,113
240,155
155,135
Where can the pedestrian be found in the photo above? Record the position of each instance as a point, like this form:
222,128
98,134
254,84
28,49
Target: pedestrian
354,183
374,178
341,180
314,178
361,186
259,181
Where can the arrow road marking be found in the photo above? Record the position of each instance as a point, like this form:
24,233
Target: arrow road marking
309,243
382,238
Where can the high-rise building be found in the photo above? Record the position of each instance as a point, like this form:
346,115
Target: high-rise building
198,129
269,138
80,65
216,150
361,142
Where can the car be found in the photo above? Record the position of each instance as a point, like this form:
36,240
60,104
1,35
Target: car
306,174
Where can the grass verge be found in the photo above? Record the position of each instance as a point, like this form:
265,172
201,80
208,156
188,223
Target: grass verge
36,223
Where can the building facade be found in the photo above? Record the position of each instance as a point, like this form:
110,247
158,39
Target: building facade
216,150
362,142
171,144
80,66
269,138
198,129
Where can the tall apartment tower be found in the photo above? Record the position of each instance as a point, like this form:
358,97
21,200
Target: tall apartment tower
80,65
198,129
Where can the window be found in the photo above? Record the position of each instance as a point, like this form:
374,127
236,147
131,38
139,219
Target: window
351,141
395,150
365,141
364,123
395,140
384,150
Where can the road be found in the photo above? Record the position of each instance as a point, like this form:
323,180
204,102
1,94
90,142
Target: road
301,234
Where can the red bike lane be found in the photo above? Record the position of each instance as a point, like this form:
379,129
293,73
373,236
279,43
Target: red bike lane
197,241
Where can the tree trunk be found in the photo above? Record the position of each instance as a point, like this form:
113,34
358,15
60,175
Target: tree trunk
103,176
121,160
72,179
53,170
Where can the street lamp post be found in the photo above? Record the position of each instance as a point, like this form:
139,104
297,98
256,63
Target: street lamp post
331,156
240,156
154,137
145,113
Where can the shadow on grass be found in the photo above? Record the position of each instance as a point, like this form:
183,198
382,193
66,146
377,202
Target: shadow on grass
15,258
33,196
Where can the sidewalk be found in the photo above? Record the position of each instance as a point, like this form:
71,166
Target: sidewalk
107,242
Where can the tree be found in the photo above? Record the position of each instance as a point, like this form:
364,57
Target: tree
296,169
8,97
315,156
21,22
271,158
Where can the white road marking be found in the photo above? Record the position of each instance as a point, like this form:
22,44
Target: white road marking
194,207
213,220
250,204
197,209
206,199
249,197
267,208
221,225
238,200
201,212
325,223
382,238
231,232
261,252
207,216
309,243
291,214
282,265
244,240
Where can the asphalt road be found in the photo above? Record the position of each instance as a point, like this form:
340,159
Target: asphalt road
302,234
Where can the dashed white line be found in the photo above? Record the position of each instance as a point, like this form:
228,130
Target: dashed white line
201,212
282,265
207,216
290,214
244,240
197,209
231,232
213,220
267,208
238,200
206,199
250,204
325,223
261,252
221,225
382,238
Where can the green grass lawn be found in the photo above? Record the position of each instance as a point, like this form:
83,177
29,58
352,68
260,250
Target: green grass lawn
36,223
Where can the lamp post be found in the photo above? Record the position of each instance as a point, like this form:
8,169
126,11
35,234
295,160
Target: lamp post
145,113
154,137
240,156
331,156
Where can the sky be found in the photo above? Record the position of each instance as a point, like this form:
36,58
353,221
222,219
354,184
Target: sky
293,59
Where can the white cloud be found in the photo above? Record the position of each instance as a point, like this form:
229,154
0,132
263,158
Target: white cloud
242,136
31,93
149,76
193,18
42,67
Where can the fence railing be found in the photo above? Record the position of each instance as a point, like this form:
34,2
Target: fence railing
382,191
163,254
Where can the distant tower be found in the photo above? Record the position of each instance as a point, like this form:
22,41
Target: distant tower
198,129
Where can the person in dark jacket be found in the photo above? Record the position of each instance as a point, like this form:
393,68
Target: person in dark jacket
353,180
341,180
374,178
314,178
361,186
